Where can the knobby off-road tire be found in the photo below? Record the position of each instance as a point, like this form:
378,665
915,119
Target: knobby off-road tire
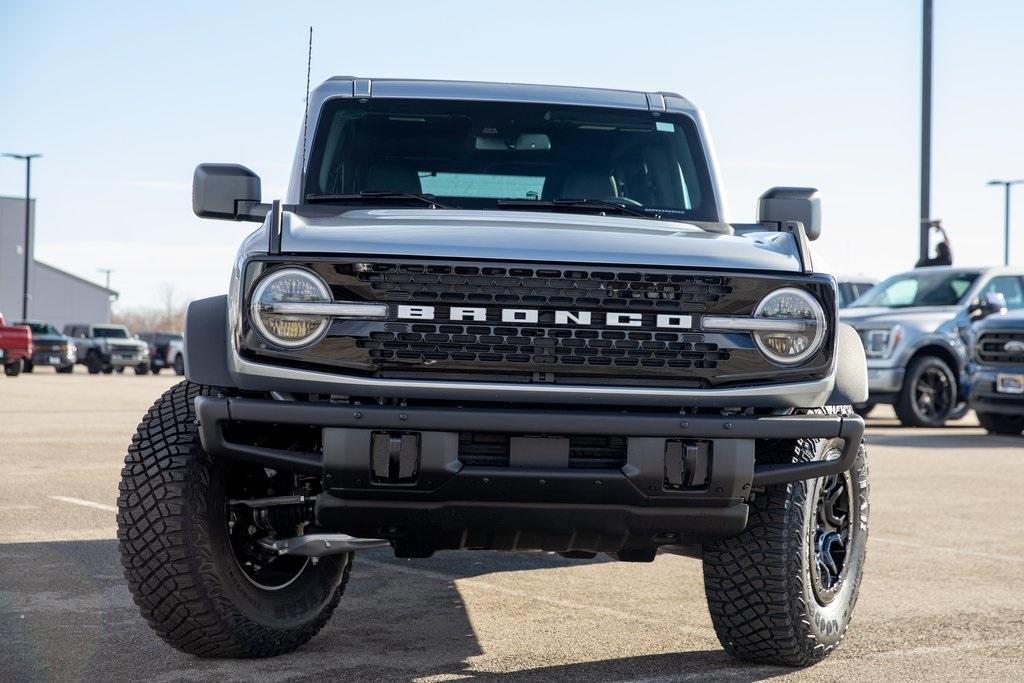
177,557
997,423
763,587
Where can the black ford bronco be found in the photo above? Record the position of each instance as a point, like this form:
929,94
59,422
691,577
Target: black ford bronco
503,317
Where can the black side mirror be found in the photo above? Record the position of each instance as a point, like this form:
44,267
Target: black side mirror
224,191
781,204
991,304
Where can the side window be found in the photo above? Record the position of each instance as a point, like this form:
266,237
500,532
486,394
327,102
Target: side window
1010,287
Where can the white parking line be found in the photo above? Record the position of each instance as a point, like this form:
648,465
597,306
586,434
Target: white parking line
955,551
85,503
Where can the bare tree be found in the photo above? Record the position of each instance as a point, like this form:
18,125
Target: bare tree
169,316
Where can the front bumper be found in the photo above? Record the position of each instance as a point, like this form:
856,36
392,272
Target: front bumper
985,399
54,357
453,505
885,380
122,359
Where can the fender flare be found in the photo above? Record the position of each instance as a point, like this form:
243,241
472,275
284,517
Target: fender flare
206,342
851,386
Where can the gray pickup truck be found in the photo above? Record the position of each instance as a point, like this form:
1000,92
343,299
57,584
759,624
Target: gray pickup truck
106,348
915,328
506,317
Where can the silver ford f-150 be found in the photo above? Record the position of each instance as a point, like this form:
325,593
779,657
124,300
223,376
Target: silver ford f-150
512,317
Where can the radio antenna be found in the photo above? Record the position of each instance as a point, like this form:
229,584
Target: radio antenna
305,116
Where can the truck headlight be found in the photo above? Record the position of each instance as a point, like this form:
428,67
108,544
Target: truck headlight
789,326
289,286
879,343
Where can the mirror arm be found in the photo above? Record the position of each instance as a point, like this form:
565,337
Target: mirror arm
803,245
250,210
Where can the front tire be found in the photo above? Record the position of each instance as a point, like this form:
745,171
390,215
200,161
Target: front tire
928,396
93,363
142,369
179,365
13,369
997,423
178,553
783,591
26,366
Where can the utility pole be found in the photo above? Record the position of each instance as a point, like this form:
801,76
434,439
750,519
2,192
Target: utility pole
926,129
107,272
1007,184
27,158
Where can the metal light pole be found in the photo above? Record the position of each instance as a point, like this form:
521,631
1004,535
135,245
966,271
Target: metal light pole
926,128
107,272
1006,214
28,222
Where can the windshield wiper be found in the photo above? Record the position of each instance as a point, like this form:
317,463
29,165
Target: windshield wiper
593,204
375,195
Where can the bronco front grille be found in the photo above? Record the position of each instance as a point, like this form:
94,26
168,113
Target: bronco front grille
992,347
491,348
625,290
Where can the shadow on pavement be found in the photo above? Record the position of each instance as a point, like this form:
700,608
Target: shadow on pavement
66,614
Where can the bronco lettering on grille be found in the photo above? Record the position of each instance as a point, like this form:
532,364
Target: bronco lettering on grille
673,321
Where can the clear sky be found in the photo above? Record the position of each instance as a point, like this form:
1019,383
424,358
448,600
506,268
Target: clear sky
124,99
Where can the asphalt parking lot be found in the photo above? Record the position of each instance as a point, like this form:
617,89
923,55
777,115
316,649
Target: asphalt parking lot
942,598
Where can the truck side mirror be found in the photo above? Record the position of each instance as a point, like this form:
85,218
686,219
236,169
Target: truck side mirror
224,191
992,303
781,204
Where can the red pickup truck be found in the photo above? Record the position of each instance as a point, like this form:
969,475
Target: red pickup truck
15,346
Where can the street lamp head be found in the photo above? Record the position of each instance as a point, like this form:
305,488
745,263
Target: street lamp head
22,156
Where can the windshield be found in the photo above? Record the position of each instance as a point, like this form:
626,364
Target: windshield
110,332
41,328
480,155
919,288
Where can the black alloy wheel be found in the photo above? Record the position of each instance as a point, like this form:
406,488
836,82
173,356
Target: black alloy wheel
929,395
832,537
263,567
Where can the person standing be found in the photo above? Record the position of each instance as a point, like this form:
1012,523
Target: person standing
943,250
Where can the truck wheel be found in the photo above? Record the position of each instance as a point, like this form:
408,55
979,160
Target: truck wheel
93,363
13,369
26,366
195,575
66,369
142,369
928,396
155,370
783,591
179,365
996,423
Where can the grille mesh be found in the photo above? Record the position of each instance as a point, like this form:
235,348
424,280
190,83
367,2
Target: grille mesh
607,290
542,346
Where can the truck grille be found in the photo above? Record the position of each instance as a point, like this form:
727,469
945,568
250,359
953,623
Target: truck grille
541,350
548,346
992,347
617,290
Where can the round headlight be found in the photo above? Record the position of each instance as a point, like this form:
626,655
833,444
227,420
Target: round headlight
275,322
793,326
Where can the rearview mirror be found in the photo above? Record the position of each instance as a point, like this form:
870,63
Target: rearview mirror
217,190
523,142
992,303
781,204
